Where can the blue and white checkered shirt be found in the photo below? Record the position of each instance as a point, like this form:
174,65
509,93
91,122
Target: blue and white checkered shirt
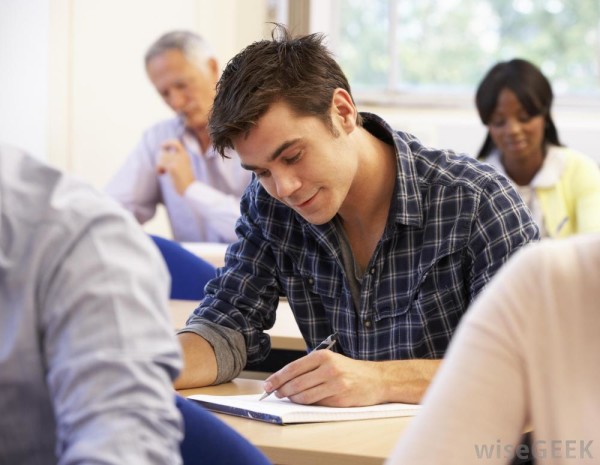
453,223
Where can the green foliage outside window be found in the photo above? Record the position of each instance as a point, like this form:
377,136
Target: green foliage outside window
447,45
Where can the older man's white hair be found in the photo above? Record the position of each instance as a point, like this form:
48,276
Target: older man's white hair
193,46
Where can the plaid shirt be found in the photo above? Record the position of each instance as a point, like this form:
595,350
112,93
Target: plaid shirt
453,223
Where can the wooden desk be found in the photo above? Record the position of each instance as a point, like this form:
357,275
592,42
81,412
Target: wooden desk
285,334
365,442
212,252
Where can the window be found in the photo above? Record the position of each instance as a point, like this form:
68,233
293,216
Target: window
443,47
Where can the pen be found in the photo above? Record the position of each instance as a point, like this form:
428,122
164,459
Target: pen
326,344
561,225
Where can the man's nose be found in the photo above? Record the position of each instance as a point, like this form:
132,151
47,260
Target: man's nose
176,100
286,184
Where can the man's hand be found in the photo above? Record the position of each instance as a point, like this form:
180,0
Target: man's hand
326,378
174,161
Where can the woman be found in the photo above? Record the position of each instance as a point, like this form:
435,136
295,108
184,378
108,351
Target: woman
560,186
526,356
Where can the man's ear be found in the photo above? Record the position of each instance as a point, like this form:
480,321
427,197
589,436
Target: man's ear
343,109
213,66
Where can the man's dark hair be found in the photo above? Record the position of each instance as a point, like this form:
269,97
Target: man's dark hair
298,71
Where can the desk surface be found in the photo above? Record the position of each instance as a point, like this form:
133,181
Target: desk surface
284,334
364,442
212,252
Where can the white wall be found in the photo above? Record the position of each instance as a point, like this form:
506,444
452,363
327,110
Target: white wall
23,77
111,100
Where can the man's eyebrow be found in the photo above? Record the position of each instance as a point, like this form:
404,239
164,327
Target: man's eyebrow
276,153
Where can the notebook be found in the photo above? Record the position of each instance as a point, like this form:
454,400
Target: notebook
283,411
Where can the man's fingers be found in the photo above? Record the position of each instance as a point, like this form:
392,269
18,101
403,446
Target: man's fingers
292,370
299,379
171,145
162,166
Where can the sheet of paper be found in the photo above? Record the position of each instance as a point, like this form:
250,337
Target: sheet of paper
284,411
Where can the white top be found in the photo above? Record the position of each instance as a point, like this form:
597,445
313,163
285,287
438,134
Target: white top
210,206
87,352
526,354
548,175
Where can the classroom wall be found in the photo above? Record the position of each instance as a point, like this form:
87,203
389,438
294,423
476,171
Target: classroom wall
23,80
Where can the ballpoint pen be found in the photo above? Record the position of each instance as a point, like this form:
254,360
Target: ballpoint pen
561,225
326,344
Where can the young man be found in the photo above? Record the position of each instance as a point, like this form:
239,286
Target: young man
175,163
368,234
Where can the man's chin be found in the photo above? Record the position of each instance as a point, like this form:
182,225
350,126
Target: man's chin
195,125
317,219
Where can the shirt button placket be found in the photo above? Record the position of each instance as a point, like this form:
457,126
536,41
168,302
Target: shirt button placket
367,322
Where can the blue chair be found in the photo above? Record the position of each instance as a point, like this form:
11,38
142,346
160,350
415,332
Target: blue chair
209,441
189,273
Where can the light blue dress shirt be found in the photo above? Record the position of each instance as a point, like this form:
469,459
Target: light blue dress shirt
87,354
210,206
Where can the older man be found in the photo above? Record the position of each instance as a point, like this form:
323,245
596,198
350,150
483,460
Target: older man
174,163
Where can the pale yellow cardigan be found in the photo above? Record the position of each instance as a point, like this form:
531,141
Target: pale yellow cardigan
572,206
567,191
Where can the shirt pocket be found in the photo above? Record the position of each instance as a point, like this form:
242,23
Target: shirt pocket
442,296
306,280
437,291
316,298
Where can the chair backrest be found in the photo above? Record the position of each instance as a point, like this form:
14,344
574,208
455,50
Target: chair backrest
189,273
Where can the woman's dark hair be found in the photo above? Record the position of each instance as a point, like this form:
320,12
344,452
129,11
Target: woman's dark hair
530,86
298,71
